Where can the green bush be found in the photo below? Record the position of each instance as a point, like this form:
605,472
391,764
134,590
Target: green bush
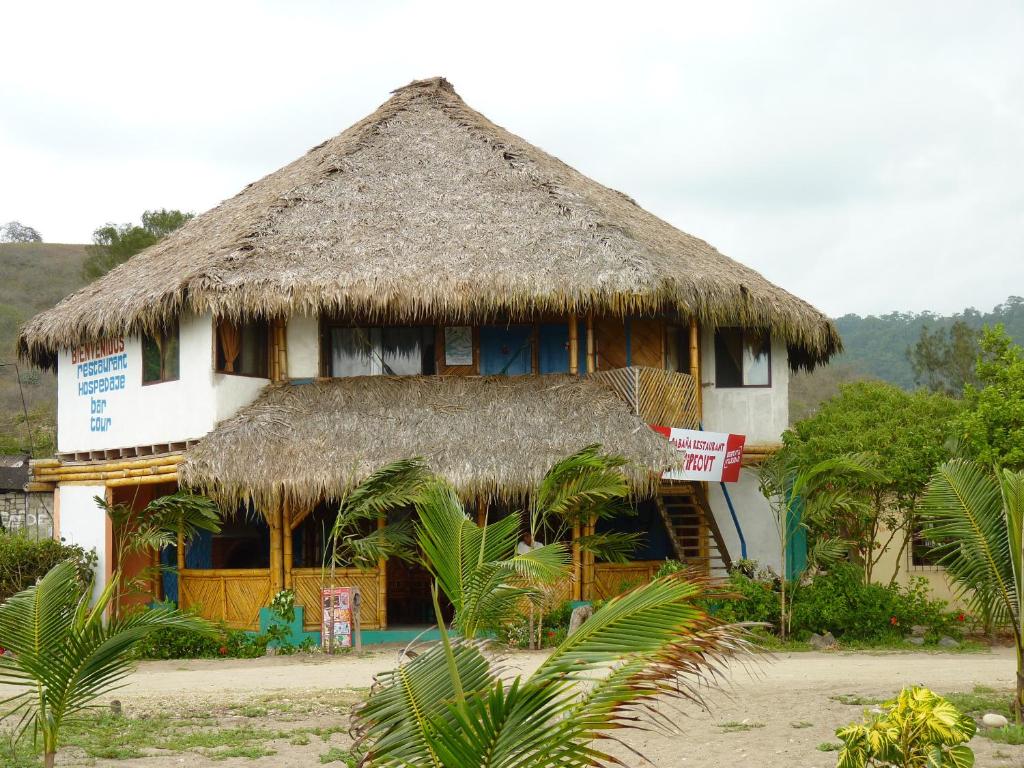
749,600
23,561
171,643
839,602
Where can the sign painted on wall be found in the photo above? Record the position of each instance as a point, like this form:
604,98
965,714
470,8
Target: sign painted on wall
336,626
709,456
101,372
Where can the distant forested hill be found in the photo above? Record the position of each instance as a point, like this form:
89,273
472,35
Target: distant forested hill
877,345
35,276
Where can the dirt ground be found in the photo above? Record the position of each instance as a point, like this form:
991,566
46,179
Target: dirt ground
774,715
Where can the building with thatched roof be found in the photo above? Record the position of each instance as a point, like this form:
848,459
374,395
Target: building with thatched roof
425,283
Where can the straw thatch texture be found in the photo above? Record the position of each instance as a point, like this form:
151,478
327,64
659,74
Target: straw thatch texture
492,436
423,210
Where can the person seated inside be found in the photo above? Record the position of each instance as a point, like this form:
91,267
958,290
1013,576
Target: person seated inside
527,544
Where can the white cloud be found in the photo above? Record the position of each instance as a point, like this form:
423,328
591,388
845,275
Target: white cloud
865,156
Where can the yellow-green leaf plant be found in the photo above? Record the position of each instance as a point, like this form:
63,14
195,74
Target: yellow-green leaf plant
917,729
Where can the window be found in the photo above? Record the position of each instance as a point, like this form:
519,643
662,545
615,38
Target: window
390,351
242,349
922,550
160,356
742,358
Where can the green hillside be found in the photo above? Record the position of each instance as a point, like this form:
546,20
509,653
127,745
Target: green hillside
35,277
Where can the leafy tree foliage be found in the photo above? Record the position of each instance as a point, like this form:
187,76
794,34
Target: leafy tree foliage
877,343
116,243
943,359
908,433
16,232
991,428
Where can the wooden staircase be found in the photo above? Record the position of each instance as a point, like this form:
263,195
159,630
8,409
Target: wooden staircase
692,528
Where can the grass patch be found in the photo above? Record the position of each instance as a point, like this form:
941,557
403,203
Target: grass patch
856,700
1008,734
983,699
829,746
736,726
801,724
336,755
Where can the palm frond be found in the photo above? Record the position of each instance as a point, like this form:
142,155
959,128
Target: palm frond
612,547
963,511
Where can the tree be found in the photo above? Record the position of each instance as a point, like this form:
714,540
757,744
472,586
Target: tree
116,243
991,427
943,359
909,435
477,567
158,525
65,654
452,707
16,232
804,495
977,517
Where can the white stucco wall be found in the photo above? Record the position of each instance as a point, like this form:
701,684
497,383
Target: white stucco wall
84,523
760,413
303,347
131,414
755,518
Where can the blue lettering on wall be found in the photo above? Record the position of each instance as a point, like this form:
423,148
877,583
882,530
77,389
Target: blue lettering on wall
105,375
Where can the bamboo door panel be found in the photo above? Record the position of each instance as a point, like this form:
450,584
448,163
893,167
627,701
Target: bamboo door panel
611,579
232,596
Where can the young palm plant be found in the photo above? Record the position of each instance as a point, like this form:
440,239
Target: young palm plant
477,567
798,494
450,707
976,516
64,653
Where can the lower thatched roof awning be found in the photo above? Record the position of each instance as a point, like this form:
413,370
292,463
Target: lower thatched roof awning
488,436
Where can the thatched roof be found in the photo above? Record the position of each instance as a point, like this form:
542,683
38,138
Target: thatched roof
427,209
490,436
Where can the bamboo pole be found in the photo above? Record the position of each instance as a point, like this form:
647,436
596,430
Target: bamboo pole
115,475
276,558
118,482
382,584
287,544
591,363
72,470
574,345
181,560
695,366
577,565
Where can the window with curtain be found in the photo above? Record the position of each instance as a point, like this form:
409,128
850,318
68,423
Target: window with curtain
386,351
160,355
742,358
243,348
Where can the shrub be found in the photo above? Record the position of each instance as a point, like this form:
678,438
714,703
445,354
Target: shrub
23,561
749,600
172,643
839,602
917,728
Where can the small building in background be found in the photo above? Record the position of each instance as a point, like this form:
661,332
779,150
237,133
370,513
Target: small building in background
23,511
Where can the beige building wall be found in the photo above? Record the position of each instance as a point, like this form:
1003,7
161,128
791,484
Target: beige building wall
897,555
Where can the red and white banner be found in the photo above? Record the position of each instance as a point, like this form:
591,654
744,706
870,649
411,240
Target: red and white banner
710,456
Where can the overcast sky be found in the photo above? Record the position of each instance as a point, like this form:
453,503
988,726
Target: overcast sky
866,156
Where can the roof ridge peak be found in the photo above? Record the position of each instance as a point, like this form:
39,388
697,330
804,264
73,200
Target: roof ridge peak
438,83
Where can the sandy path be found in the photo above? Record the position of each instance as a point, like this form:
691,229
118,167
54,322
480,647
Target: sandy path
786,703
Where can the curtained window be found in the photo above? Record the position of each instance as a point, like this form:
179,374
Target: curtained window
160,355
243,348
742,358
389,351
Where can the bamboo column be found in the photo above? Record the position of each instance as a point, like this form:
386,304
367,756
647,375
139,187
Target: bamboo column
574,345
695,366
181,568
286,545
588,564
382,584
276,555
577,565
591,364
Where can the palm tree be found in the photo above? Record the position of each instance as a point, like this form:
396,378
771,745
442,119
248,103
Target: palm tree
450,707
477,567
64,653
976,516
798,494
